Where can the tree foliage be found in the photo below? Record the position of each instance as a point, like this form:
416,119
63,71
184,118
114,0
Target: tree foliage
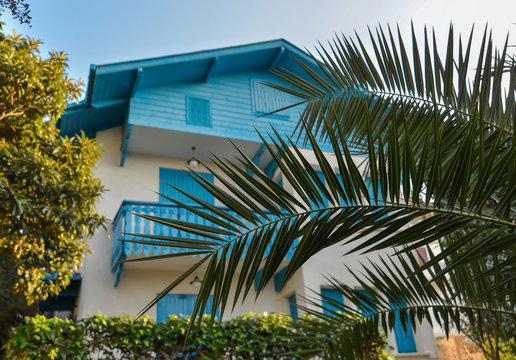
19,10
47,186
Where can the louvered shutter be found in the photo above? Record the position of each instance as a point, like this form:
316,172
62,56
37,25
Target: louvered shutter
332,294
183,181
179,304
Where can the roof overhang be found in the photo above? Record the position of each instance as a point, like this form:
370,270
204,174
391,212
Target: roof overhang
111,86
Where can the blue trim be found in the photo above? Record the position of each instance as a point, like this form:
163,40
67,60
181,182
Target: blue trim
125,141
105,104
137,80
91,85
202,55
277,59
271,168
278,279
257,157
210,69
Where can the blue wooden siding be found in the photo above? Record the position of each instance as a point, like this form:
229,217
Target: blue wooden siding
292,302
336,296
183,181
198,111
179,304
405,341
230,103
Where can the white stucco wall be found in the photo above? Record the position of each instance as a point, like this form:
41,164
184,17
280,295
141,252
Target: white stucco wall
138,179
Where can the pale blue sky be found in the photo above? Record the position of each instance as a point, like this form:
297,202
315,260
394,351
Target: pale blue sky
97,32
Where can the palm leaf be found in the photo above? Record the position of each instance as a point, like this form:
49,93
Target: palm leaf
389,289
441,161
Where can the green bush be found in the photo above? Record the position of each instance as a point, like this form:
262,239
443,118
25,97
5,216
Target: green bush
249,336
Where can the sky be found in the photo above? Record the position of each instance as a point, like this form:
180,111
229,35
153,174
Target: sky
100,32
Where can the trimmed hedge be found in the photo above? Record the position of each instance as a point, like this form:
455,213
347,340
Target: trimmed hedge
249,336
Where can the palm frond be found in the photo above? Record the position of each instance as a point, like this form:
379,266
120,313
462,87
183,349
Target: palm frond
334,207
390,292
351,83
439,163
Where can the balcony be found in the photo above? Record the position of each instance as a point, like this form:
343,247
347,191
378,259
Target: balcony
126,222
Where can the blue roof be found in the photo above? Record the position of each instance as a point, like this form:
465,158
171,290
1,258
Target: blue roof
110,86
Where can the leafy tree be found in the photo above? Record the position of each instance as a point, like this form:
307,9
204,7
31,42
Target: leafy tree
436,138
47,187
19,10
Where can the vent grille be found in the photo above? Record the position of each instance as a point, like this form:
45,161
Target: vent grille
198,111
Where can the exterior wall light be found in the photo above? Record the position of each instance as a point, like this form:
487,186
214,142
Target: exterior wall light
196,282
193,162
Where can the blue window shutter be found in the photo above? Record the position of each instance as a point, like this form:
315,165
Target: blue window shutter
321,177
292,302
334,295
257,279
183,181
365,308
198,111
371,191
404,340
341,199
265,99
325,200
175,304
278,279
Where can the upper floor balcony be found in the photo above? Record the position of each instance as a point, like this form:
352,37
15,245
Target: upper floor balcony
127,225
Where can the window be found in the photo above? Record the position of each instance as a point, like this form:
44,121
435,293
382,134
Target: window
183,181
198,111
333,297
179,304
265,99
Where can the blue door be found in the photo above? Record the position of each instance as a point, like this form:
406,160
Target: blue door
179,304
183,181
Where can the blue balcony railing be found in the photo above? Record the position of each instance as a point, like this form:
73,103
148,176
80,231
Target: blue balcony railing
126,222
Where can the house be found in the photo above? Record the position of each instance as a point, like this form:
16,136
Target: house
152,116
